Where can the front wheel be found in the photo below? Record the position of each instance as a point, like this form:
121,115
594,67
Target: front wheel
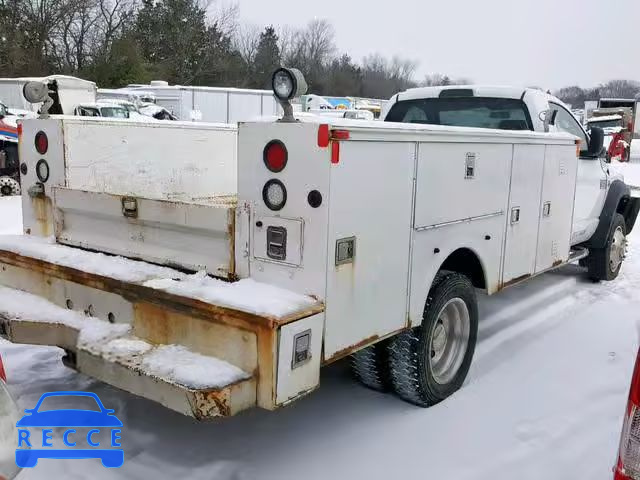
605,263
430,362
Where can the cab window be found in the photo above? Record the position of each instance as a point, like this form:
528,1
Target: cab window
565,122
478,112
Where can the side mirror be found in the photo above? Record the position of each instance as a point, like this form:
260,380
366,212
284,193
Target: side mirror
549,118
596,142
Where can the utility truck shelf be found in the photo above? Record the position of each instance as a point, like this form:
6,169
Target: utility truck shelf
215,269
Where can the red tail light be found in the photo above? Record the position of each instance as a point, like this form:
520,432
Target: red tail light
275,156
628,465
3,375
42,143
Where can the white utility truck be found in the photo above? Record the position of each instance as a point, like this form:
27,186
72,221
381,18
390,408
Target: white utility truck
213,286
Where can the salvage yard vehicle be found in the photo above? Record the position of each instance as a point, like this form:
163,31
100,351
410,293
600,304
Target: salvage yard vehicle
65,91
9,164
209,104
213,286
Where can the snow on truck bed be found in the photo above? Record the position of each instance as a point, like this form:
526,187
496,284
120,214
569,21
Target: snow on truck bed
245,295
171,363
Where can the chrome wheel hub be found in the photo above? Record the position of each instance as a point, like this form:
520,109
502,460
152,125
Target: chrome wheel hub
448,340
618,249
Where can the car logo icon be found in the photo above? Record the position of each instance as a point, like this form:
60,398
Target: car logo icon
28,452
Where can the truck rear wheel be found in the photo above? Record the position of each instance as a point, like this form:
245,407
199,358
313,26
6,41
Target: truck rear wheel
370,366
429,363
605,263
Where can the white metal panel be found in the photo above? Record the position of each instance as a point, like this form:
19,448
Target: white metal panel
160,160
212,105
269,105
589,199
244,107
484,237
558,191
190,236
524,202
445,191
307,169
371,200
37,212
293,382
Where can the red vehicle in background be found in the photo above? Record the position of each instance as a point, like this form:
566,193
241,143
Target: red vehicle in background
628,464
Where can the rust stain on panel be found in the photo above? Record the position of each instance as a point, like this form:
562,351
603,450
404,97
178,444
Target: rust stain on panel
352,348
211,404
513,281
161,326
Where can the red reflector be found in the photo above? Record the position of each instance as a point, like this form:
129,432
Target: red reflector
335,152
42,143
340,134
20,129
323,136
275,156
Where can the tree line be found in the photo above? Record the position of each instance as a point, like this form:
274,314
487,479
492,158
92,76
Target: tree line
197,42
576,96
187,42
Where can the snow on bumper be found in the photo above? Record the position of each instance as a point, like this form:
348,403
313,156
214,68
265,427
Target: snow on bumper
193,344
190,383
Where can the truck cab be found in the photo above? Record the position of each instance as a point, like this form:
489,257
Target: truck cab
513,108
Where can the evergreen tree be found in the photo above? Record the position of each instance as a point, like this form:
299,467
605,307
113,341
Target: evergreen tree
267,59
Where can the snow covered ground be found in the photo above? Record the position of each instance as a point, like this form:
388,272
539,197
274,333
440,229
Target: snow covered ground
544,400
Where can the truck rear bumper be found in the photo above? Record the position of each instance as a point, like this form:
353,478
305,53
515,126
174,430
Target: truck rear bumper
125,361
198,358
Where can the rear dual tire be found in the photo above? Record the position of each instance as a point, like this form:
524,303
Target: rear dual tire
427,364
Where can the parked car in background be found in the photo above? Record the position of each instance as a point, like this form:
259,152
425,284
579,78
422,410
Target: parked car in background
9,161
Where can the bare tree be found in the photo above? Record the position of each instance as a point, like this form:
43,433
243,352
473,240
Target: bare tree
620,89
438,79
245,41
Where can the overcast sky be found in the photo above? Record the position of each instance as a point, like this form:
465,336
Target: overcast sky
548,43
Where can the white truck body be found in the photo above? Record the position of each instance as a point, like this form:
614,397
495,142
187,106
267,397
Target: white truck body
71,91
212,104
367,215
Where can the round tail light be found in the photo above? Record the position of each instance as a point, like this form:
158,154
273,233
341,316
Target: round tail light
42,143
275,156
274,194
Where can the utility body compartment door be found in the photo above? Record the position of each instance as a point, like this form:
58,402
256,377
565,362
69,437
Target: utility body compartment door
369,238
523,212
556,206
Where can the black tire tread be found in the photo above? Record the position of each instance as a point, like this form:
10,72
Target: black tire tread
597,262
370,366
405,356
